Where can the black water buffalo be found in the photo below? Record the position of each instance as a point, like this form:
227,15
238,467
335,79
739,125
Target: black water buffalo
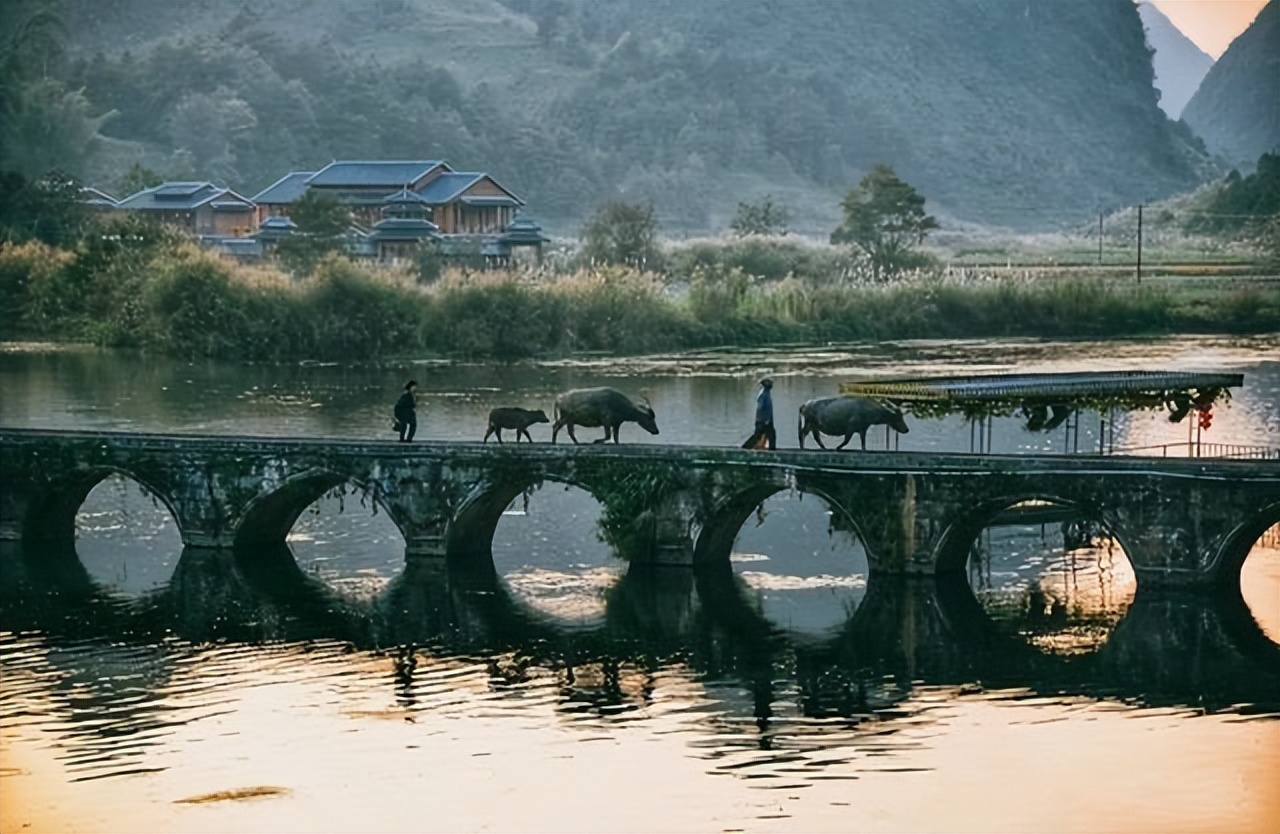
847,416
600,407
519,419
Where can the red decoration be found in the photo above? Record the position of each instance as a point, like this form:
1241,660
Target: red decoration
1206,418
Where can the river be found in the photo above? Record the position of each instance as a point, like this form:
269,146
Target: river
145,688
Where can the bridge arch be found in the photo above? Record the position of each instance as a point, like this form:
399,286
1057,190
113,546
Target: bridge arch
471,529
52,516
721,526
267,519
1069,604
951,553
1230,557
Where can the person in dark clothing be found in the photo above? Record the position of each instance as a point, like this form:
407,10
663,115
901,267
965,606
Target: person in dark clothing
406,412
765,436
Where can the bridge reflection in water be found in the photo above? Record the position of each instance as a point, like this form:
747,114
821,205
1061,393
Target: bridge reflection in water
447,633
111,662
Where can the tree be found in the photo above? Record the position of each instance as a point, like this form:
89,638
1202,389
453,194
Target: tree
622,233
137,178
209,125
322,221
1242,204
46,126
320,215
884,217
763,218
47,209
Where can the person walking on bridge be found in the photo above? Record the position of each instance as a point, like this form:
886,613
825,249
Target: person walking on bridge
406,412
765,436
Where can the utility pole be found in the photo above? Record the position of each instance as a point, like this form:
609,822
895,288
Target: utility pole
1139,266
1099,238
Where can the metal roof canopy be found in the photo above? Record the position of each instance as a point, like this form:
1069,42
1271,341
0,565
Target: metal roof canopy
981,398
1049,388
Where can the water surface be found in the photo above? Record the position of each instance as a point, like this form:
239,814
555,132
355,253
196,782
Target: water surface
329,686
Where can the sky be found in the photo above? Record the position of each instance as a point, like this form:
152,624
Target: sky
1211,24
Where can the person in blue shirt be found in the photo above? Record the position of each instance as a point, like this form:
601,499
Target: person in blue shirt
764,436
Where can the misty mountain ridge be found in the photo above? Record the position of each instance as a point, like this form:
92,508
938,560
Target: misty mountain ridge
1029,115
1237,106
1179,64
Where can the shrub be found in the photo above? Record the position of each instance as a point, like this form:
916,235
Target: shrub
716,293
194,309
35,290
503,320
623,310
356,314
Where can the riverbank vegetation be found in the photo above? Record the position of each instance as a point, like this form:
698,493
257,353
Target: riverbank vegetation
132,285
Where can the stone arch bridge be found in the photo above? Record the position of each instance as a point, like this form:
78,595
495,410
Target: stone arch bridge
1183,522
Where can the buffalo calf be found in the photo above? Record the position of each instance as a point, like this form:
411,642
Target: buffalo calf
519,419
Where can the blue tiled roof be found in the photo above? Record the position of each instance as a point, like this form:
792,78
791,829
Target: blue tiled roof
373,174
275,228
447,187
405,197
180,196
491,200
404,228
523,231
178,190
275,221
287,189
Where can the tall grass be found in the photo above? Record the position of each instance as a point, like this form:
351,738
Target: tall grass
179,299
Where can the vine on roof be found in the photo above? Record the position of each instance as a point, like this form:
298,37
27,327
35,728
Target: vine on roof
1178,403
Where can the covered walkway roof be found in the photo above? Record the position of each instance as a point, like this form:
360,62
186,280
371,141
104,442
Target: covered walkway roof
1003,393
1056,387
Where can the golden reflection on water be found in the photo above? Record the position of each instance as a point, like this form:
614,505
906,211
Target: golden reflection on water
1070,764
355,741
351,741
1083,597
1063,597
1260,582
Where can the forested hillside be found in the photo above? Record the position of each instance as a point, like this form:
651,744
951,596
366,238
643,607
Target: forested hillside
1023,113
1237,108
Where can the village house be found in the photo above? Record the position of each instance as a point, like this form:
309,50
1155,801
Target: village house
400,204
201,209
396,206
461,203
404,227
277,199
469,203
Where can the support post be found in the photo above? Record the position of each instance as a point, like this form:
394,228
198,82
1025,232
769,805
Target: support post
1099,238
1138,269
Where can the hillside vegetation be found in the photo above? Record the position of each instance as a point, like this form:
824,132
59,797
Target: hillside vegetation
1237,107
1026,114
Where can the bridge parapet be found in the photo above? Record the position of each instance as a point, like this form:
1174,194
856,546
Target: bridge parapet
1181,521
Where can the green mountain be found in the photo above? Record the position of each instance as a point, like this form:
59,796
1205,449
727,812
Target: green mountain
1237,107
1025,113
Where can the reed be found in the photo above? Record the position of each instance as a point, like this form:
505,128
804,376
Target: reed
178,299
36,296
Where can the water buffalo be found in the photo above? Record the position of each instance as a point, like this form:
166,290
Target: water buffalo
847,416
519,419
600,407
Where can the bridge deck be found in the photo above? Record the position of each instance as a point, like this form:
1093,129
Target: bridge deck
811,460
